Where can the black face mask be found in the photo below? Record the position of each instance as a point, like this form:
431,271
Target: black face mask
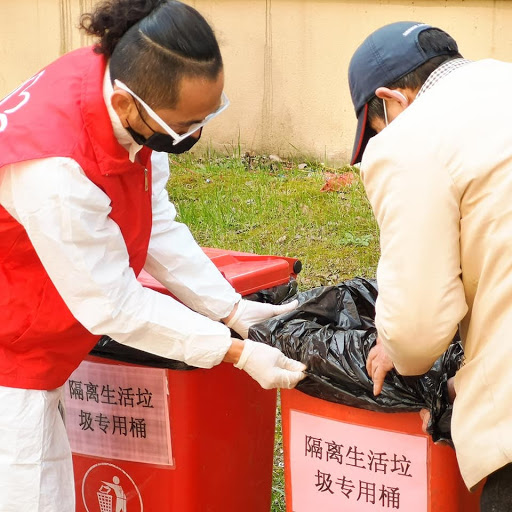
164,143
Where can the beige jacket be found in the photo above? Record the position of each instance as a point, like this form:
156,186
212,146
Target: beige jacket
439,179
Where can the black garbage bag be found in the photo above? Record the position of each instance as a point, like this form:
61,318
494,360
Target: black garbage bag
111,349
332,331
277,294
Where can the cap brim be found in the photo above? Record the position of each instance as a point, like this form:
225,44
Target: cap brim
363,134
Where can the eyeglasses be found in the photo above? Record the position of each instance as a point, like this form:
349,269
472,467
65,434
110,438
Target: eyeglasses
177,137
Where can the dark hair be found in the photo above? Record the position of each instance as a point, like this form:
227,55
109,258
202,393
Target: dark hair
431,39
153,44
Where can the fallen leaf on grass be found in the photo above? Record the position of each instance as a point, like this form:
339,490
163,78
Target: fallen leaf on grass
335,182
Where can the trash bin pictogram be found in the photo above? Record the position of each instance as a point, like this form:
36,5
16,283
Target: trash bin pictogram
110,491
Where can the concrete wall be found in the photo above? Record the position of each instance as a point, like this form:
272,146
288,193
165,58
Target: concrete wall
286,60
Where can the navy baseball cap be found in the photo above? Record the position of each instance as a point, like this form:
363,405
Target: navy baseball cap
384,57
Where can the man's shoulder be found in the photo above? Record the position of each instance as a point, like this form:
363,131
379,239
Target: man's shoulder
479,72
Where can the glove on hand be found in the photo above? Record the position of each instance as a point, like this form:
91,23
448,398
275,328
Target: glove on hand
249,312
269,366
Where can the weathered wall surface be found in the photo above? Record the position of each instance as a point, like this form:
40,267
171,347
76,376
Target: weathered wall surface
286,60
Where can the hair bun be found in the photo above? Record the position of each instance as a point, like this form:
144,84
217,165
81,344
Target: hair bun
111,19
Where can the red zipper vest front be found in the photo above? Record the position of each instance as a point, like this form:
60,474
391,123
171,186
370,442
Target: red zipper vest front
61,112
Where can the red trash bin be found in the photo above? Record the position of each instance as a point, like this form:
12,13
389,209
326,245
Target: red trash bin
340,458
176,440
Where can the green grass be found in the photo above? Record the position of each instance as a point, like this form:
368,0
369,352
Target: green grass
259,205
278,496
265,207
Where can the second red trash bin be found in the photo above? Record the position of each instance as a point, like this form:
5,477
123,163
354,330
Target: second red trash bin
170,440
344,458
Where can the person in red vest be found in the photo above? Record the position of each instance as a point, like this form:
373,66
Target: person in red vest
83,209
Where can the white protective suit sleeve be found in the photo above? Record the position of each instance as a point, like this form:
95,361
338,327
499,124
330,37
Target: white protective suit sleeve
176,260
83,251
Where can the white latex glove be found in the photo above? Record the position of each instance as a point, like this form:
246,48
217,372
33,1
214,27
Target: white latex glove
269,366
249,312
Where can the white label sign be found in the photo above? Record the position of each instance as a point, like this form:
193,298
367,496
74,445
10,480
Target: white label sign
119,412
340,466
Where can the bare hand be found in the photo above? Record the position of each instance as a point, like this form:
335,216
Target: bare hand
378,365
425,418
450,384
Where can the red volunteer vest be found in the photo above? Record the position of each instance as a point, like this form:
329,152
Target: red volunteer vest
61,112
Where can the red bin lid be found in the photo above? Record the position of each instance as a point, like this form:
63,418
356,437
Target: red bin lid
247,272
